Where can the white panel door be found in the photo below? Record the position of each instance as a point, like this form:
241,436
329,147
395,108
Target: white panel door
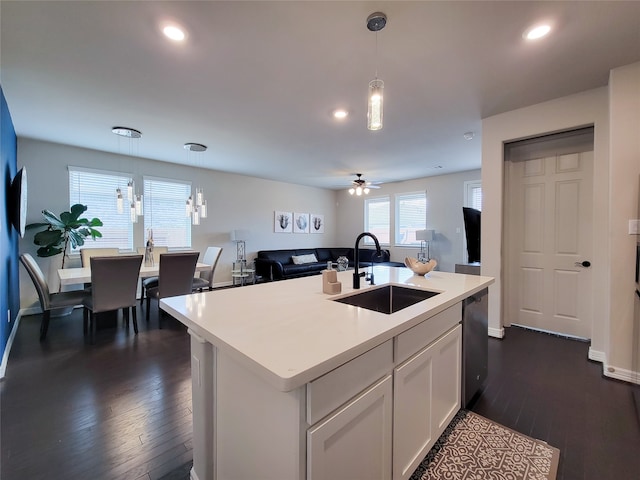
549,218
354,443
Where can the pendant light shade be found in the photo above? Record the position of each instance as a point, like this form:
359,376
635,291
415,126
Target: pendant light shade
376,100
119,201
375,22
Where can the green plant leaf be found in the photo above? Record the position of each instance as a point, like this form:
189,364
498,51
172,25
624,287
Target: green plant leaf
53,219
48,238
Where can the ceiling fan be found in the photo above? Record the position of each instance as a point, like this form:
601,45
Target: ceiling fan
360,186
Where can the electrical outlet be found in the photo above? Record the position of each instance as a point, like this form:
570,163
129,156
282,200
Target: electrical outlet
634,227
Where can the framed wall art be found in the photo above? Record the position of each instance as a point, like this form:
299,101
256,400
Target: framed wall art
316,223
282,222
300,222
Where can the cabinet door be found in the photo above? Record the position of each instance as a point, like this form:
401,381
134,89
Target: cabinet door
412,429
354,442
426,397
447,375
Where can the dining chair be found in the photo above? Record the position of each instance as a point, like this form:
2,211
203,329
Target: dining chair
151,281
157,251
175,277
49,301
114,284
205,280
87,253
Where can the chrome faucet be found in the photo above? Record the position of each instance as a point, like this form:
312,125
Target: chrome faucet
356,260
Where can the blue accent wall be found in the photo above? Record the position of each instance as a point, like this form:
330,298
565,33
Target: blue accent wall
9,282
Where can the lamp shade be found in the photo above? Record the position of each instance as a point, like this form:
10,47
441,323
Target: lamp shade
425,235
239,235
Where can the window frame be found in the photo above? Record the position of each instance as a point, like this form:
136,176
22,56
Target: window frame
469,187
377,200
100,211
159,236
400,197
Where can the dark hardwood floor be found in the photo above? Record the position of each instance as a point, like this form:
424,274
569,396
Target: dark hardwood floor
543,386
121,408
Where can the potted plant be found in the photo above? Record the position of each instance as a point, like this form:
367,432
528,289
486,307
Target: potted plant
60,231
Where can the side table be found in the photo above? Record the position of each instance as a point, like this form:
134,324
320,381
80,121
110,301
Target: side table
242,273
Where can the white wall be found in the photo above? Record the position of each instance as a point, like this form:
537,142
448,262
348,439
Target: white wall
614,112
240,202
235,202
587,108
445,197
624,114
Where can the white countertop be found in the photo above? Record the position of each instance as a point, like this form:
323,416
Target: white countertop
289,332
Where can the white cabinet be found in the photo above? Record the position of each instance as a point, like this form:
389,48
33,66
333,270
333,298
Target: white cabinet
426,397
354,442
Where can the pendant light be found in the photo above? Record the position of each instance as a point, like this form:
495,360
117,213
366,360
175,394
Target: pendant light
134,200
375,22
196,205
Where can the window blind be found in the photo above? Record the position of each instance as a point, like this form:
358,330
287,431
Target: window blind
473,194
164,212
97,191
377,219
411,215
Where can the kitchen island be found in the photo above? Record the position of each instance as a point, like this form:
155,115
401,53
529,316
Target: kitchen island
289,384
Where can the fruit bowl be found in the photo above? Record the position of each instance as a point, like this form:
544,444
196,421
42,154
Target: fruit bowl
418,267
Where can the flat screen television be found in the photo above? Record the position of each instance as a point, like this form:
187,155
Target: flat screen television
472,232
17,205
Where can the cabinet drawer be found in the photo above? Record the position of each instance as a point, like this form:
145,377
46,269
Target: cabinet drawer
418,337
328,392
355,441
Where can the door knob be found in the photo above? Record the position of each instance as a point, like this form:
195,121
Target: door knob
585,264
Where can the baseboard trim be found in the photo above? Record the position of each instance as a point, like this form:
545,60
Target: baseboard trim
7,350
496,332
597,356
621,374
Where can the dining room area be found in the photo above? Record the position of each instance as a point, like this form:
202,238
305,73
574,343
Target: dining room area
109,282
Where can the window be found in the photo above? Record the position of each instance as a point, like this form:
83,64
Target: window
97,190
164,212
411,215
377,219
473,194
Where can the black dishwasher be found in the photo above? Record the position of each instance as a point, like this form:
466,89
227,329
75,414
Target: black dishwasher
475,344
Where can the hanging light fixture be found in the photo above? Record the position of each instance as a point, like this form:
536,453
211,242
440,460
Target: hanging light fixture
196,205
375,22
133,198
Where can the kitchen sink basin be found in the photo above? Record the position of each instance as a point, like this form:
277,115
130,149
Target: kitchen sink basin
387,299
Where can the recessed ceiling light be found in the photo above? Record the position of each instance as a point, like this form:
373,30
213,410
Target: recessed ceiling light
340,114
174,32
537,32
468,135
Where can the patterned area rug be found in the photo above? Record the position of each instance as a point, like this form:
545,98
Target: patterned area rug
475,448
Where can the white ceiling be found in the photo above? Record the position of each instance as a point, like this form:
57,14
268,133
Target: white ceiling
257,81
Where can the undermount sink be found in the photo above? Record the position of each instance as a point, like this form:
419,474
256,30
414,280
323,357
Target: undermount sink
387,299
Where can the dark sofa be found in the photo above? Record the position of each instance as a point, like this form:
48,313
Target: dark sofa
279,264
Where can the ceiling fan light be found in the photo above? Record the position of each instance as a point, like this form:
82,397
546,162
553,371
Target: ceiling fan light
358,190
352,191
366,190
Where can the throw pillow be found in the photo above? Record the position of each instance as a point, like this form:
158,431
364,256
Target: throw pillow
301,259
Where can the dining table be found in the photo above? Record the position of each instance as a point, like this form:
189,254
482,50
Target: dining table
81,275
